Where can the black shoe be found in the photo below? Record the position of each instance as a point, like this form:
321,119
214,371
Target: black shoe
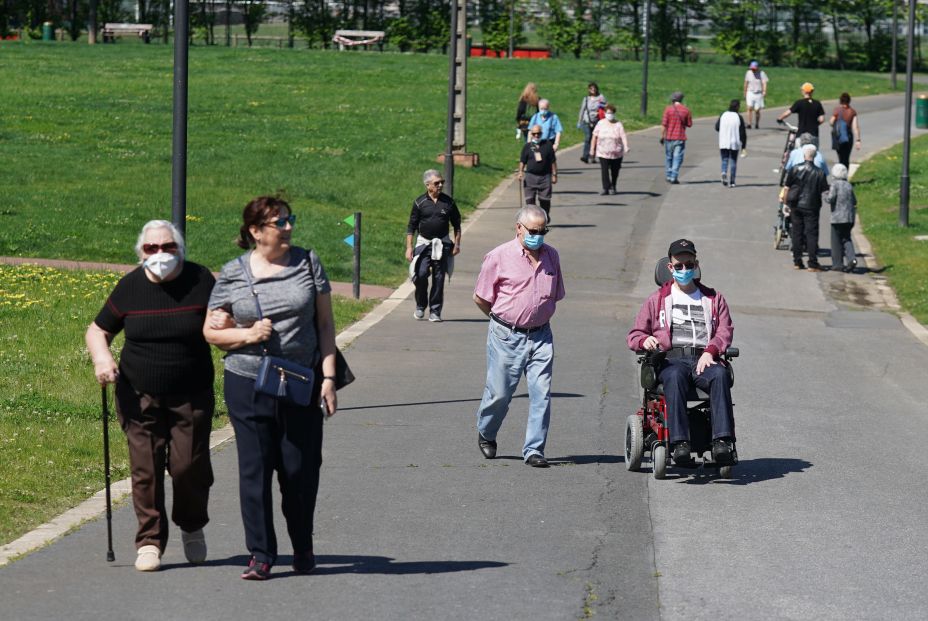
675,182
799,265
815,267
604,193
682,454
537,460
722,452
256,570
303,562
585,160
487,447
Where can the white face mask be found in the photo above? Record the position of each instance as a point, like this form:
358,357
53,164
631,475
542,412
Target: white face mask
610,116
162,264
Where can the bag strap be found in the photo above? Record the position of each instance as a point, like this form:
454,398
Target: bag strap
254,293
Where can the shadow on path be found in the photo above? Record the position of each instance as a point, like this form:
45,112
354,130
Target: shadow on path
746,472
330,564
561,395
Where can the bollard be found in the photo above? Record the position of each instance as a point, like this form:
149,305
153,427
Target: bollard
921,112
48,34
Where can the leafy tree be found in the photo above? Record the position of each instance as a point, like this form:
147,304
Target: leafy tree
253,12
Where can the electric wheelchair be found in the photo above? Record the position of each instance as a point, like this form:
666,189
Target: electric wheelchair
647,431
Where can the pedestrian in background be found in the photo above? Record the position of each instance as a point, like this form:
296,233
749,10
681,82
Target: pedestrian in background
755,89
845,129
538,170
809,111
434,250
804,210
732,138
528,105
164,388
609,144
840,196
519,285
551,128
591,111
674,122
291,287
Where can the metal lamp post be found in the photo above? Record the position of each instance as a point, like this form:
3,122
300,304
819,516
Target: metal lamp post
644,66
452,79
179,150
907,130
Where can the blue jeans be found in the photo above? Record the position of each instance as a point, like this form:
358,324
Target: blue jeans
509,355
729,154
673,158
587,139
677,375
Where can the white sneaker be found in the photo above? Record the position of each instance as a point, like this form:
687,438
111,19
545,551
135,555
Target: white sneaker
194,545
434,317
419,314
148,559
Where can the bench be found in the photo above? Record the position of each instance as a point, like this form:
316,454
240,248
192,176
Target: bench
366,37
113,30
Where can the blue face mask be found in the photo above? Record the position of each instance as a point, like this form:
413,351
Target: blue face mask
533,242
544,113
683,277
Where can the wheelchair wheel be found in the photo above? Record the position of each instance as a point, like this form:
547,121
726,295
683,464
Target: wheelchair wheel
724,472
659,461
634,442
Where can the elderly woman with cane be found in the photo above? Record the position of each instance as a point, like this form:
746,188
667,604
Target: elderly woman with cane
164,388
278,330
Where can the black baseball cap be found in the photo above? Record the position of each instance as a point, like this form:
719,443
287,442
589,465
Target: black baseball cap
682,246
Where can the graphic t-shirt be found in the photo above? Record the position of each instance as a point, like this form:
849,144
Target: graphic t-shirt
688,321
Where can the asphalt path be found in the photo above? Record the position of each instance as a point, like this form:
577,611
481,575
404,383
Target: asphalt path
822,519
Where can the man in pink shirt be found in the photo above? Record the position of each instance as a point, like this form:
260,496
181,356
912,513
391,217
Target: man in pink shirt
519,285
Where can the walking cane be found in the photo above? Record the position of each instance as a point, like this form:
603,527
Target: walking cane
106,469
521,200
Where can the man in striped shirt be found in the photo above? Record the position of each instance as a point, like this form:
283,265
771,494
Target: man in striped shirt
676,119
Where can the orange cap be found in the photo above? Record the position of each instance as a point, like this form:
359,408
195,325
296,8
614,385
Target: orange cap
807,87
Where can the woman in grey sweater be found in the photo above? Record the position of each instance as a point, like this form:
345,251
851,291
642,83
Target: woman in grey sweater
843,211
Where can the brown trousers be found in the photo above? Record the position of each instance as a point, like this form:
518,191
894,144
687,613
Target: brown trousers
172,431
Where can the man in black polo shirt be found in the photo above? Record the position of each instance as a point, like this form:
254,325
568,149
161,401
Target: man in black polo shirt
810,112
434,251
538,170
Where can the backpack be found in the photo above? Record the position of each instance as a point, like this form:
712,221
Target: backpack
840,132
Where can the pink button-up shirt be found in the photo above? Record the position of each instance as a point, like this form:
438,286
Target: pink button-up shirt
517,292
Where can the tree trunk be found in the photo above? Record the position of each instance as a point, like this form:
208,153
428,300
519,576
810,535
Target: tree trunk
834,28
92,30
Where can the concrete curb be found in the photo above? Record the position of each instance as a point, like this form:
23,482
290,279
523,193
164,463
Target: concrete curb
95,506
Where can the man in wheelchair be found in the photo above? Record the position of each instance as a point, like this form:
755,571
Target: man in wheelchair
690,324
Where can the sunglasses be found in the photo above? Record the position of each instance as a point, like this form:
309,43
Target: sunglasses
282,221
543,231
679,267
153,248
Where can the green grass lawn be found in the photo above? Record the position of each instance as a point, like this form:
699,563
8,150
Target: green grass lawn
876,184
50,426
85,139
85,142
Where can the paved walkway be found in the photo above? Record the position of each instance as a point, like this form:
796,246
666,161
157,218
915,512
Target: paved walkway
823,520
345,289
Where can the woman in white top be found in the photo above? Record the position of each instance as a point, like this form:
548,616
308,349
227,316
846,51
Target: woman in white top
610,145
732,138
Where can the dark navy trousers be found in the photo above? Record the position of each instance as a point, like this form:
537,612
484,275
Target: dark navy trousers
274,435
678,375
